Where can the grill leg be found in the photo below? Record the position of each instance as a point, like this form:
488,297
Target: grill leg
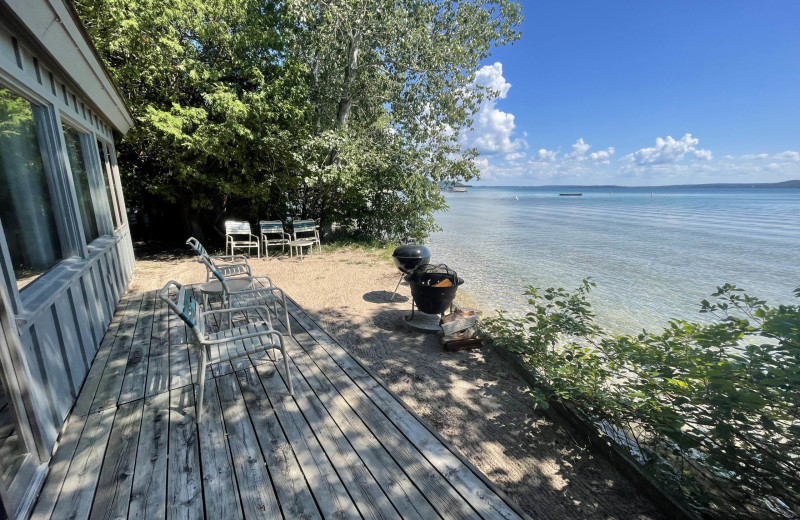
396,286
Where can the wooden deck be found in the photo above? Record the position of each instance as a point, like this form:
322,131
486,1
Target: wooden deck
342,447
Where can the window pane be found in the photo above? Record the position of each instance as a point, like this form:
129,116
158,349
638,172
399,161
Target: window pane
26,210
80,178
107,177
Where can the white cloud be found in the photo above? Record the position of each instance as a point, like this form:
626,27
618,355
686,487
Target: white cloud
670,161
704,155
514,156
788,156
493,129
603,156
579,150
545,156
667,151
491,76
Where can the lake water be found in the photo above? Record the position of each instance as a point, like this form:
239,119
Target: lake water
653,252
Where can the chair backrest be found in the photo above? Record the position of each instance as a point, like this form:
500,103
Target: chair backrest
184,304
271,226
197,246
304,226
237,227
209,263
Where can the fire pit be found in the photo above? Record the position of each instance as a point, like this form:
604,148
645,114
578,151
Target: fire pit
407,258
433,288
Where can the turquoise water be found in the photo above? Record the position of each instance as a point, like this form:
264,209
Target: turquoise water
653,252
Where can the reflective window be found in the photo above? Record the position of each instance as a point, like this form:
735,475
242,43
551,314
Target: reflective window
80,177
108,177
26,209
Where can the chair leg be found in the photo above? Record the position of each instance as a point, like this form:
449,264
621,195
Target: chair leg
286,366
198,404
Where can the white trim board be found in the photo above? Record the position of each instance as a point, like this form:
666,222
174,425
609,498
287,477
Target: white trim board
51,24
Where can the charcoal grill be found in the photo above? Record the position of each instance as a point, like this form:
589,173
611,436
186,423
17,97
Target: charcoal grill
408,258
433,288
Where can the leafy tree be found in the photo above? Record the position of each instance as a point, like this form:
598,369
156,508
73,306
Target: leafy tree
346,112
711,409
391,85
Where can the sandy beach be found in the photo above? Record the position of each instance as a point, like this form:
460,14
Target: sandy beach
472,398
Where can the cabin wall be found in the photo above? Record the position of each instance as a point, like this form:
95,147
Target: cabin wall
62,316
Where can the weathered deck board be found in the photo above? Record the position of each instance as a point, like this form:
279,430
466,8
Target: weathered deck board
136,368
184,482
221,491
294,495
488,503
112,378
341,447
114,485
149,494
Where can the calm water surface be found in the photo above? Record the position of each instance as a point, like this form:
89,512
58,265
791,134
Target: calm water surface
654,253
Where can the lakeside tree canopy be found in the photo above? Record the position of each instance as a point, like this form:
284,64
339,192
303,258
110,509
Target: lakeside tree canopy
343,111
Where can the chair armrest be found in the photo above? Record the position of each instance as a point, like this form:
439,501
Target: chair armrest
264,277
267,332
260,291
234,309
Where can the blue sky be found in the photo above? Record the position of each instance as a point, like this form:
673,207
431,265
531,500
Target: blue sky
644,93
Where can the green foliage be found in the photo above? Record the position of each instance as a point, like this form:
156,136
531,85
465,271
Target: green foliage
346,112
712,409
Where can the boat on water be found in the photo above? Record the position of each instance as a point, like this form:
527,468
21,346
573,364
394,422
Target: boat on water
571,194
459,189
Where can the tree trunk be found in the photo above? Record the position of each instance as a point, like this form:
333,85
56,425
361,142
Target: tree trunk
346,101
189,217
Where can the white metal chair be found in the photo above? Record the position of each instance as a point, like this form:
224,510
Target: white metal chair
185,306
306,233
273,228
228,265
239,235
242,291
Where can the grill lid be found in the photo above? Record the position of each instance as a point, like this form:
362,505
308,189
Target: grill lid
412,251
409,257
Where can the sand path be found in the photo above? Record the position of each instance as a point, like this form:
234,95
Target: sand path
472,398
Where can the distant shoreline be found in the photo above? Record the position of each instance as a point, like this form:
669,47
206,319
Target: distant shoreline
793,184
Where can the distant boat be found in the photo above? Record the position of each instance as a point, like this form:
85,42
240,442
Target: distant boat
459,189
571,194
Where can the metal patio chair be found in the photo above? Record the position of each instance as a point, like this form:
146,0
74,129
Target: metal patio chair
272,234
239,235
242,291
228,265
305,233
185,306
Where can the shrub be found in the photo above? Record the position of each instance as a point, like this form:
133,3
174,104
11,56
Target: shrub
710,409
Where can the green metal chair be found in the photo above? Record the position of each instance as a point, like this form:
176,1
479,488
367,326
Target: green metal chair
239,235
305,233
274,229
228,265
185,306
242,290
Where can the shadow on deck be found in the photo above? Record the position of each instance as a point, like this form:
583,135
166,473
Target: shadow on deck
342,447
